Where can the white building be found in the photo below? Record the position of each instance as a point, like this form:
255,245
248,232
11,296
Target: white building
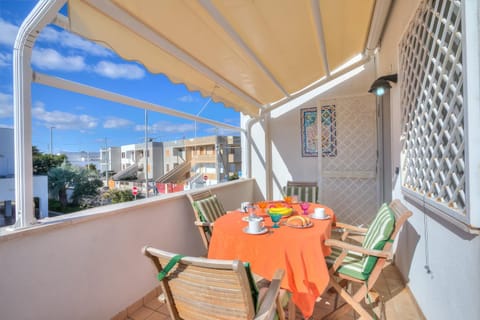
7,183
110,159
83,158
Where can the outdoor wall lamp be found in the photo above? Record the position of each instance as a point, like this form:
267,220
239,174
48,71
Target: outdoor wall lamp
381,84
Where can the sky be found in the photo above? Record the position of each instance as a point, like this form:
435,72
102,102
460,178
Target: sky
76,122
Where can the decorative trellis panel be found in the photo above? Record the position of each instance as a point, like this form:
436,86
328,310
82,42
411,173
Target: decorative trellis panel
432,107
348,182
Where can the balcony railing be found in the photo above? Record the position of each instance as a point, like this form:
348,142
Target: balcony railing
89,265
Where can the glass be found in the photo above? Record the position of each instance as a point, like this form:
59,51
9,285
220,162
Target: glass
275,219
251,212
305,206
262,205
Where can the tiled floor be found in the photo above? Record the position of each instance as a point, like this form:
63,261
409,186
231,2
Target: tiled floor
394,301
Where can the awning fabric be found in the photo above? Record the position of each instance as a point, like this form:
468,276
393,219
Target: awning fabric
244,53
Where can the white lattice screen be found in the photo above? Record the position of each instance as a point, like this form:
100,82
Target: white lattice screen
348,180
433,163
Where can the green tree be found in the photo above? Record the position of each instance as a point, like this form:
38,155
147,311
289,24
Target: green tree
83,181
42,163
59,180
117,195
91,167
86,184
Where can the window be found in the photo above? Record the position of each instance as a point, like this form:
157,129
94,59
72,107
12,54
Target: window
433,109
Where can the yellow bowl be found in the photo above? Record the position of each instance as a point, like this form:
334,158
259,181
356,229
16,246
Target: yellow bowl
285,212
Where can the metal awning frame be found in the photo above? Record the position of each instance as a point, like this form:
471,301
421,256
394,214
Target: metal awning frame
46,12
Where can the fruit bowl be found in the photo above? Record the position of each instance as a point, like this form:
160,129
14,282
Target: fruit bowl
283,211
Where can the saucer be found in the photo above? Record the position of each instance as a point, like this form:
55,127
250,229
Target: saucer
246,218
313,216
262,231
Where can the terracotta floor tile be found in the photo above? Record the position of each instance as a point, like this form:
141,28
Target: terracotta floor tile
154,304
134,306
158,316
141,314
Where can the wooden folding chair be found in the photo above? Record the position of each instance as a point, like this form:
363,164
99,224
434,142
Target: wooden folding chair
363,264
207,208
206,289
305,191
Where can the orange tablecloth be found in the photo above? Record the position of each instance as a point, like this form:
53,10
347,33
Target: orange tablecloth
300,252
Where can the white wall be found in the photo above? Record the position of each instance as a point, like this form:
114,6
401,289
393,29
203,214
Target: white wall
449,288
92,267
285,132
7,168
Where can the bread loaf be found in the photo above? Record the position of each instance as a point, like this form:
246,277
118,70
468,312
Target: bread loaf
299,221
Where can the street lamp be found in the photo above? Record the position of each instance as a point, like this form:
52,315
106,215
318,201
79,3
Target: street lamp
51,139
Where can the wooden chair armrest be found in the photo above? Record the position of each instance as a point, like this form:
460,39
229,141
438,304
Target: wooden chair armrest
350,228
351,247
267,307
203,224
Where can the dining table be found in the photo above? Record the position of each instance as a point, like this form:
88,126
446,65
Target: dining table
299,251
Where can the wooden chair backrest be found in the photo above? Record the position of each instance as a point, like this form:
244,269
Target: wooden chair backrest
301,184
401,216
196,196
203,289
305,190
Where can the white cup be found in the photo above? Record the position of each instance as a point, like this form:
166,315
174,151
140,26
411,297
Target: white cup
319,213
255,225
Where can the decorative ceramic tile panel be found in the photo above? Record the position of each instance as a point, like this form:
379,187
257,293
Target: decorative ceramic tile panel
309,134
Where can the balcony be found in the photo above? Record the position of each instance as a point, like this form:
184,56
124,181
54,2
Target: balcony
90,264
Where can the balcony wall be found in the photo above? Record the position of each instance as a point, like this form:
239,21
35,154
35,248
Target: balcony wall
90,265
439,261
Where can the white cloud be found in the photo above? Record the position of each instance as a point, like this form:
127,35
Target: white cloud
222,131
63,120
69,40
187,99
5,59
113,122
6,105
49,59
8,34
116,71
167,127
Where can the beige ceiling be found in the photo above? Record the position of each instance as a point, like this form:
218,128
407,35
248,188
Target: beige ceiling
248,53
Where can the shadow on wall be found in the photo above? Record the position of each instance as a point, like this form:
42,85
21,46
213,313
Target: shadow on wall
407,244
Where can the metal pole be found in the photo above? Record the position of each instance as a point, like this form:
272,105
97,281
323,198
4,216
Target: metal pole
146,152
51,139
107,164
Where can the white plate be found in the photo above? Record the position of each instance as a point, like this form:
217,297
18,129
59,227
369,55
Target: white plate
313,216
264,230
299,227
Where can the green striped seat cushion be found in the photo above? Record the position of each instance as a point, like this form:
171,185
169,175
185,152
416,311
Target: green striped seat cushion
304,193
358,266
209,209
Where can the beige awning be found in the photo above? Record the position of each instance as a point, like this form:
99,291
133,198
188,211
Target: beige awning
247,54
